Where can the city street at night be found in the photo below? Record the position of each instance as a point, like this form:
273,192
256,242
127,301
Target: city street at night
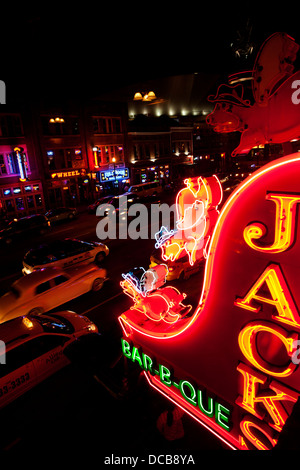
78,403
149,225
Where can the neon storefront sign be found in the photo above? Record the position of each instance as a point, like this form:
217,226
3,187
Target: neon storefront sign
240,341
67,174
113,175
208,405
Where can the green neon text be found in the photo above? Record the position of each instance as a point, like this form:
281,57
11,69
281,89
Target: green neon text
209,406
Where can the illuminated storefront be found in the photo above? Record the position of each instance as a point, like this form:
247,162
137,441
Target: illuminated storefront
67,188
21,190
147,174
21,199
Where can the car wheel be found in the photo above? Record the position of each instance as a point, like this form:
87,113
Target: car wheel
100,257
36,311
97,284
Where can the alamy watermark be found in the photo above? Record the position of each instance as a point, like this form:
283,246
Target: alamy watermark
296,94
296,353
132,221
2,92
2,352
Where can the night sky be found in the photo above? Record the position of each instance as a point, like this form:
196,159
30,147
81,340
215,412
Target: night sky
87,50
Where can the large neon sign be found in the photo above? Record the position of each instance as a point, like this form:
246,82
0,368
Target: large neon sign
239,342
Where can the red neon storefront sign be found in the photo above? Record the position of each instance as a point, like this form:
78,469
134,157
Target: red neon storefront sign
230,365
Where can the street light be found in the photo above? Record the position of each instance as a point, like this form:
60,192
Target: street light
150,96
95,152
57,119
114,161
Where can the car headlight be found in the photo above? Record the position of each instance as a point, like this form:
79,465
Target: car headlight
92,327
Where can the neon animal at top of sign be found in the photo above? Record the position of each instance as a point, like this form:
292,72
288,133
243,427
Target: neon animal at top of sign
273,85
196,214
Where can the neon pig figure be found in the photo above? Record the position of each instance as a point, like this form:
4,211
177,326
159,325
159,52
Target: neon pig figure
196,210
238,343
157,304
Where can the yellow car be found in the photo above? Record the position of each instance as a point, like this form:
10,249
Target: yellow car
34,347
179,269
48,288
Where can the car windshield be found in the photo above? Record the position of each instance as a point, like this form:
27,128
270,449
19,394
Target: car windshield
54,324
15,292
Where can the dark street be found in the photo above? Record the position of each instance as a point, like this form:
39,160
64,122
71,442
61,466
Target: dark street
80,404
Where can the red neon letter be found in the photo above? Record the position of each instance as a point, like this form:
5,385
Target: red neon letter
251,397
280,296
247,342
246,426
284,225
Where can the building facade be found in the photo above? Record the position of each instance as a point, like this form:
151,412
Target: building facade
55,155
21,185
156,147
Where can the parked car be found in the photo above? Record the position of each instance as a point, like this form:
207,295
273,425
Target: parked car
103,200
178,269
48,288
61,214
64,254
34,349
36,224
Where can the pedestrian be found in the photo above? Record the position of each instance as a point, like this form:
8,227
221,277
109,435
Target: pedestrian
170,425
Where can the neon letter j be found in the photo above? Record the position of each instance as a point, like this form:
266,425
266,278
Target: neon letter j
284,225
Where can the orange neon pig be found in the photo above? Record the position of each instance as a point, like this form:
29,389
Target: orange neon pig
196,210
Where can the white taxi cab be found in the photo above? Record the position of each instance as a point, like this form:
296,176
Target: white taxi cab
64,254
48,288
34,349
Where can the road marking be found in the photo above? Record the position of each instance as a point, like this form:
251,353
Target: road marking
101,303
